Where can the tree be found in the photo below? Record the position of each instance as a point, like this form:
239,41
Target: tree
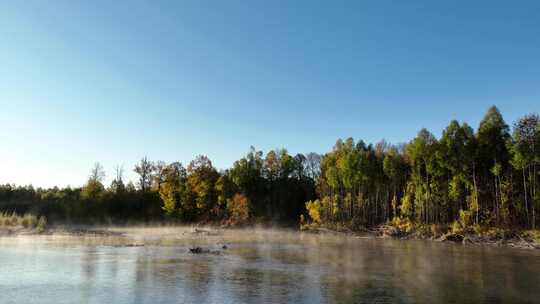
247,174
525,157
422,154
117,185
94,186
158,177
395,168
470,160
272,166
298,170
457,156
225,189
144,168
97,173
173,190
130,187
493,136
201,180
239,209
312,164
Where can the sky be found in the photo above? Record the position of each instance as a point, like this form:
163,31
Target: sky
113,81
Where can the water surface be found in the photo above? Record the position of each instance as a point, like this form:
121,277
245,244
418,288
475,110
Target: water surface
266,266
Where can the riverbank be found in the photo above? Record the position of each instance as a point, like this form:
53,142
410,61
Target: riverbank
476,235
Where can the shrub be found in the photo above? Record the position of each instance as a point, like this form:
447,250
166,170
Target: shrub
41,224
403,224
7,219
12,219
534,235
456,228
314,210
465,218
464,224
438,229
25,222
28,221
423,231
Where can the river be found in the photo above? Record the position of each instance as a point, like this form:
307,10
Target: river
259,266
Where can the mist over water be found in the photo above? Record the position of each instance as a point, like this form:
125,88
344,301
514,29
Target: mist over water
259,266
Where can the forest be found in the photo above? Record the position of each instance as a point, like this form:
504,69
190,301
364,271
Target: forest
488,176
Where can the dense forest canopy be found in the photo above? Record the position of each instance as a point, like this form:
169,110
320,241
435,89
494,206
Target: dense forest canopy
488,176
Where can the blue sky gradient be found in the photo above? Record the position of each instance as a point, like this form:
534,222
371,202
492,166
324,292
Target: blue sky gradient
112,81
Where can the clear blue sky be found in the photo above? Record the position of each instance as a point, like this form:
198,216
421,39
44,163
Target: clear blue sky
112,81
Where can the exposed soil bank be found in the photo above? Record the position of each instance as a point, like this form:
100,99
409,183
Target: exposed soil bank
509,238
17,230
60,230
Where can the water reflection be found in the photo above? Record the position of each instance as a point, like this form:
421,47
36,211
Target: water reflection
263,267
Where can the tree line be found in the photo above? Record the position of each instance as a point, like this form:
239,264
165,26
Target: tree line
486,176
273,188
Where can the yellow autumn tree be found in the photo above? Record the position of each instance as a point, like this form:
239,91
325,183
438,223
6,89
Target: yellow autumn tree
239,209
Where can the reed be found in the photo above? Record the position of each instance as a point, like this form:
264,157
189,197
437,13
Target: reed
30,221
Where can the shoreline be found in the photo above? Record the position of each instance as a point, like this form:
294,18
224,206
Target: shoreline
511,238
521,239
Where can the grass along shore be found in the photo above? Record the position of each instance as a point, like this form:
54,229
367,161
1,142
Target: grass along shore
12,223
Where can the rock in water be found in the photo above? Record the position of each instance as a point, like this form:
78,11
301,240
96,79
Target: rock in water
199,250
196,250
